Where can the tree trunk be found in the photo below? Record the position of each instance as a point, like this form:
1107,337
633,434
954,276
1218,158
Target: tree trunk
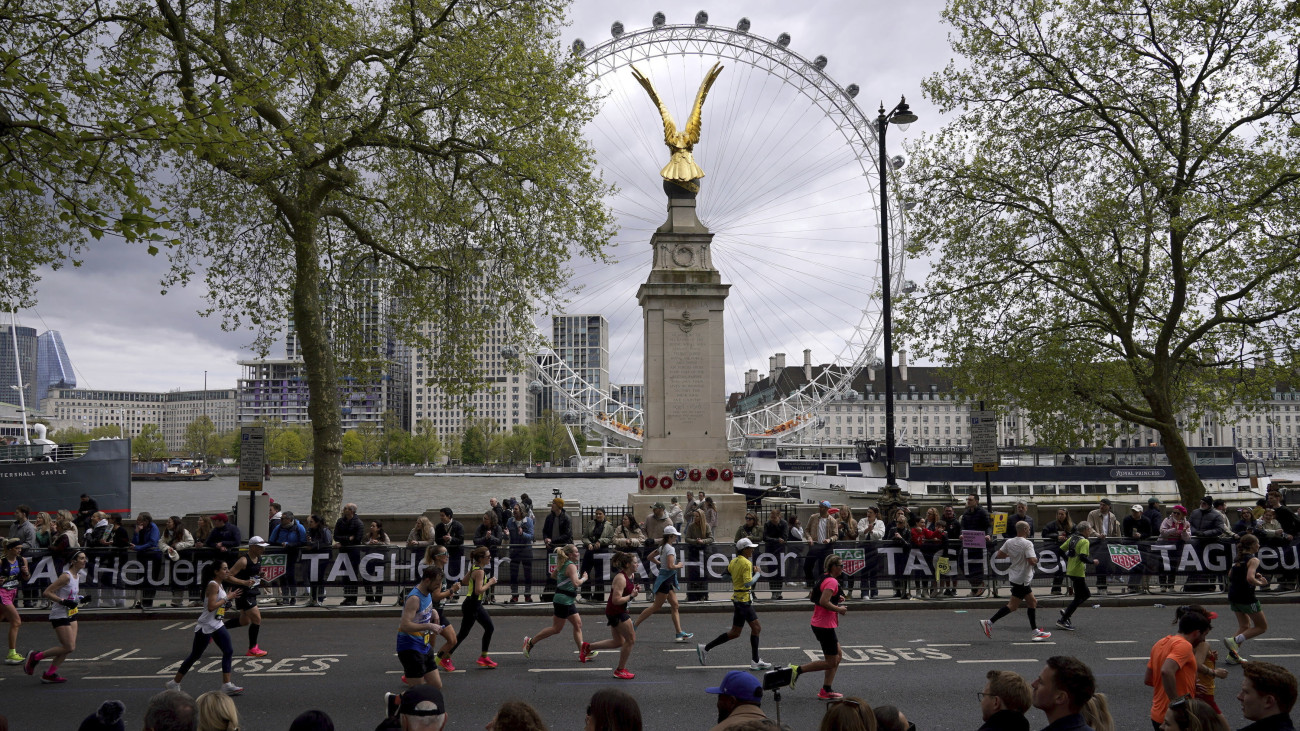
1190,487
322,375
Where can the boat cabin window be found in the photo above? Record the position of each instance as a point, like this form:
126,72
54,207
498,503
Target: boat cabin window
1044,489
1071,489
938,489
1126,489
769,480
1047,460
1017,489
1160,459
1094,489
1015,459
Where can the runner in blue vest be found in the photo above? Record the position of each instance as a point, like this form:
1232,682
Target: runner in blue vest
567,583
416,631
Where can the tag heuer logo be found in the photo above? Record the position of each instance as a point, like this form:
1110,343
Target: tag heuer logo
852,559
1125,557
273,566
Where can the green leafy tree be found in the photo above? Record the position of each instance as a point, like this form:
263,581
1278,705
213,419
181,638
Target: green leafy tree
106,431
199,436
1113,212
149,444
519,445
333,154
286,448
455,451
372,441
353,450
395,438
549,438
425,446
69,435
476,442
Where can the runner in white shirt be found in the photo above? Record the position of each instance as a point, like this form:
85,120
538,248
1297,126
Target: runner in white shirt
65,601
1023,560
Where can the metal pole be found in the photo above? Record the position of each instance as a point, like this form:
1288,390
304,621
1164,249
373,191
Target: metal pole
988,489
882,123
18,373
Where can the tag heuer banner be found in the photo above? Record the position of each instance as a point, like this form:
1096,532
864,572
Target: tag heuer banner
852,560
273,565
1125,557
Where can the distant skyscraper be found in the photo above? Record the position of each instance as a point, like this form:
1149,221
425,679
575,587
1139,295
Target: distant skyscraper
9,370
582,342
53,369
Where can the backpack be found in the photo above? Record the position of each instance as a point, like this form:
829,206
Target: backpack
1069,547
815,594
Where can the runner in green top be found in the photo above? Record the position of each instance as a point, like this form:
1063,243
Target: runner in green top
567,582
742,603
1076,548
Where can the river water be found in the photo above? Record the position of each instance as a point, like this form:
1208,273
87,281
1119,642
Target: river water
378,494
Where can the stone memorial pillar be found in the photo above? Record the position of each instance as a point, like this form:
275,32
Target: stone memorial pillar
685,383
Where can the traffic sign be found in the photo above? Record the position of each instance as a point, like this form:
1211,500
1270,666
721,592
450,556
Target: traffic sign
252,455
984,440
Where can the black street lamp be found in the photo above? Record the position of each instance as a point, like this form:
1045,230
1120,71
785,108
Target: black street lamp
902,116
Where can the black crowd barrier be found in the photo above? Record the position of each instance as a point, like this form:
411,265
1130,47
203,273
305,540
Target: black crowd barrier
526,570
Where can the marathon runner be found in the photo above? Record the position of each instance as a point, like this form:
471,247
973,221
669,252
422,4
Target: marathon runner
743,580
65,601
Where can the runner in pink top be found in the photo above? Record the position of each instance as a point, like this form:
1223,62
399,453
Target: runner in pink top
829,598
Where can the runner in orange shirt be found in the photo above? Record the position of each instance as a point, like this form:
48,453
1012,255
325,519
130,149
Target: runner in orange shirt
1171,671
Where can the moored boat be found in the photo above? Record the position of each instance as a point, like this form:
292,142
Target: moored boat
47,477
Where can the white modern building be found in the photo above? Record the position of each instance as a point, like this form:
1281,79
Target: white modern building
172,411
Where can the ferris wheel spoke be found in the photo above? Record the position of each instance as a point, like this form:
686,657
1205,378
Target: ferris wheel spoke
815,278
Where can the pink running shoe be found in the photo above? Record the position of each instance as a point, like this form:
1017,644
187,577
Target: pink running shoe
624,674
828,695
255,652
584,653
33,658
486,662
53,678
445,664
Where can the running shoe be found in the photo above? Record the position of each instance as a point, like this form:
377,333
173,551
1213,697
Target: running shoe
828,695
53,678
760,664
1065,624
794,675
1041,636
445,664
584,652
255,651
173,685
29,666
987,626
1234,650
624,674
13,658
486,662
528,646
684,636
231,689
700,652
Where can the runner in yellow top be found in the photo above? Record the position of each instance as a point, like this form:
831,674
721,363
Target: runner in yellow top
743,579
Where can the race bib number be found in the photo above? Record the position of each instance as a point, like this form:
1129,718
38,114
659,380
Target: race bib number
12,584
73,612
427,637
221,613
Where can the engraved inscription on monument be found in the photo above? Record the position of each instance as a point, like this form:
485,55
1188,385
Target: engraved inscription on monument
687,397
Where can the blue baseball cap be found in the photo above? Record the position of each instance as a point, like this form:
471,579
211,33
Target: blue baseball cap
740,685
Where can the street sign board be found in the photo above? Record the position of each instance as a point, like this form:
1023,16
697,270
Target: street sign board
252,455
984,440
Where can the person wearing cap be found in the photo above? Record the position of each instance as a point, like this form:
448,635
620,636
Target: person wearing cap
421,708
743,579
292,535
740,696
1105,524
654,535
1136,528
1154,515
224,537
1172,530
823,529
247,572
1207,523
665,586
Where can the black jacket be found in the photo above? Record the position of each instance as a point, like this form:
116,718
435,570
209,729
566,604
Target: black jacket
773,534
349,532
566,530
1054,531
977,520
1072,722
1139,524
450,534
226,535
1011,525
1006,720
1280,722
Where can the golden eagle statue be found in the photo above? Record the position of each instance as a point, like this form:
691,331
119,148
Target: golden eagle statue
681,168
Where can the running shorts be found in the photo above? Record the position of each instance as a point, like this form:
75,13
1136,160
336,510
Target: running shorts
1020,591
1252,608
564,611
742,612
617,619
829,642
666,584
7,596
244,602
62,622
1209,699
417,664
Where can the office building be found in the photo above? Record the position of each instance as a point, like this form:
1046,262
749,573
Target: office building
173,411
53,368
581,342
9,369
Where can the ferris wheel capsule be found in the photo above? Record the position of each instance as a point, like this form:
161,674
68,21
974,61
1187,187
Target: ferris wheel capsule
535,387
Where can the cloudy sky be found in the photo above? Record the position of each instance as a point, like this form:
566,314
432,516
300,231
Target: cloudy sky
121,333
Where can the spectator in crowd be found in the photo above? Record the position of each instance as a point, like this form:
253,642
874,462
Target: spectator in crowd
1021,515
1062,689
319,539
975,518
628,535
375,537
775,533
419,709
1270,530
890,718
558,529
1004,701
823,531
1096,713
1246,523
44,530
171,710
1105,524
1173,529
119,540
312,720
1191,714
796,530
499,509
710,514
1136,526
1206,522
224,536
450,534
291,535
349,533
847,714
740,696
519,529
749,529
675,514
217,712
489,533
176,538
612,710
596,539
516,716
422,534
1171,669
1268,693
86,513
145,543
871,529
1154,515
699,536
900,535
108,717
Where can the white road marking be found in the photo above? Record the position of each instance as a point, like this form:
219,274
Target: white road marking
127,656
948,644
165,676
1116,642
1126,659
1272,639
1022,644
714,667
1253,656
93,659
174,625
842,664
569,670
856,647
974,662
